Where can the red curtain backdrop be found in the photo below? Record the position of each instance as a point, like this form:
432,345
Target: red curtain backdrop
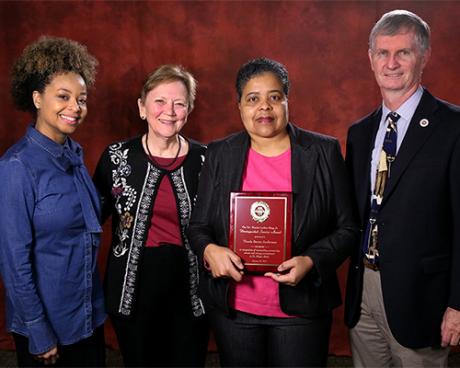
322,43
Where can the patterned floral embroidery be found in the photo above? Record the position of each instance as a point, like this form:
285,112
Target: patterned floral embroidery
136,227
126,220
121,248
138,237
185,210
125,196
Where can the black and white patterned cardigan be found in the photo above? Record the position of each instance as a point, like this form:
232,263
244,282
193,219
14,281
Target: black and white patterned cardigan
128,183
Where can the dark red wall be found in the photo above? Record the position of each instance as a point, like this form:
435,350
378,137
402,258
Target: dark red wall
322,43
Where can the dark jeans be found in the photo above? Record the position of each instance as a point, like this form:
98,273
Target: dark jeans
89,352
162,331
247,340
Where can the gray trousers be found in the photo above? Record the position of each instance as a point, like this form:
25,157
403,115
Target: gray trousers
373,344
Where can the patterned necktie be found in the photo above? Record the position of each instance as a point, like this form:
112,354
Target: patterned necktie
386,158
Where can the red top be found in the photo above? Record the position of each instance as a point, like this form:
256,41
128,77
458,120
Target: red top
256,294
164,227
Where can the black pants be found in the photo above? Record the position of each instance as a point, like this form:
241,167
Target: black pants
247,340
89,352
162,330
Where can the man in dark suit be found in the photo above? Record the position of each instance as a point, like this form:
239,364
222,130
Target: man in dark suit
403,291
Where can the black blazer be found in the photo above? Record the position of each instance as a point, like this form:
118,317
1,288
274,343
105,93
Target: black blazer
419,222
323,224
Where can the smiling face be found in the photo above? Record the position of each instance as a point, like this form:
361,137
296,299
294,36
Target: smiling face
397,63
165,108
264,107
61,107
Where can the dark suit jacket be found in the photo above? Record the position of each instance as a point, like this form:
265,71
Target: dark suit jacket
419,222
323,225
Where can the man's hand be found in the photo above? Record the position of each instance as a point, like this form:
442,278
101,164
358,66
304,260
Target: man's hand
296,267
450,328
223,262
50,357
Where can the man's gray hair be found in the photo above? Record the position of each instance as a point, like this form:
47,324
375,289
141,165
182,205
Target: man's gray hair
398,21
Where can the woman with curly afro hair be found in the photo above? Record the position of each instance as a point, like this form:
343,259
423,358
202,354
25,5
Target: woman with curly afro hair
49,226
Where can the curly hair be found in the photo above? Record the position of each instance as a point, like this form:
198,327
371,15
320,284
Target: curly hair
44,59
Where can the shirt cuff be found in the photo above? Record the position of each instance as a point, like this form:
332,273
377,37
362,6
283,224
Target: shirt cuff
41,336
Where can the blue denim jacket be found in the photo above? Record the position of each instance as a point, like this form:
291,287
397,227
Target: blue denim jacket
49,240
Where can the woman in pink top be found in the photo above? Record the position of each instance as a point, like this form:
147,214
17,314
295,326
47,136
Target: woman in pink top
278,318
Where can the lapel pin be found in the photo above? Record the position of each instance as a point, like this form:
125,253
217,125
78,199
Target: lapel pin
424,123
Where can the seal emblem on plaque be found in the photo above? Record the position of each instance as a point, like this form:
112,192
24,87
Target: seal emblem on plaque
260,211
